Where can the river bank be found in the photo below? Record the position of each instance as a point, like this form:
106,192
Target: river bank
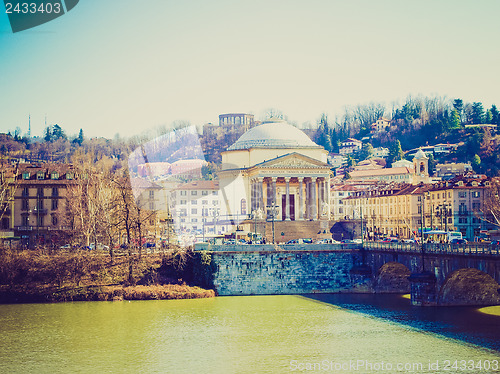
32,276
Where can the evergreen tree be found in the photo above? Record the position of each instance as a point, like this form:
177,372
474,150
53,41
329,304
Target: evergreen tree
395,152
477,113
495,116
48,135
476,162
366,151
458,104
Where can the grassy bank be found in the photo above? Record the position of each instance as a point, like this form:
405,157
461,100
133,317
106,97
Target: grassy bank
43,276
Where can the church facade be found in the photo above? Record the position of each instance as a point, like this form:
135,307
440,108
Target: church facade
275,172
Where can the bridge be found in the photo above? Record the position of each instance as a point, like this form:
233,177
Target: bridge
437,275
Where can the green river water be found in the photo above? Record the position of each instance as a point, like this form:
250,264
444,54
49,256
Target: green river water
253,334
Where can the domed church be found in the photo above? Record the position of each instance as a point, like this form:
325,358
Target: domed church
275,167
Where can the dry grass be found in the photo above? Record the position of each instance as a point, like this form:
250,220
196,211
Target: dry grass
70,276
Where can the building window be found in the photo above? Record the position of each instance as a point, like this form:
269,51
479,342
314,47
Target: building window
54,175
194,193
475,194
26,175
194,219
194,202
476,206
40,221
26,221
55,204
243,206
69,175
55,191
183,193
25,205
26,191
54,221
462,220
151,194
40,175
204,193
151,206
183,202
462,194
40,191
194,211
215,193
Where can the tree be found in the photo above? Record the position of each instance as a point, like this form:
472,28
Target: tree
79,139
491,207
323,133
57,132
48,134
477,113
458,104
476,162
395,152
495,115
366,151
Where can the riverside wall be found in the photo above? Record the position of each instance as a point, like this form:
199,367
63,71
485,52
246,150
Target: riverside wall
282,272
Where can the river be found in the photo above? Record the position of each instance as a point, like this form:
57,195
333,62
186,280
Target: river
252,334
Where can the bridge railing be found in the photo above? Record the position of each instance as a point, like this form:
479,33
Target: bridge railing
437,248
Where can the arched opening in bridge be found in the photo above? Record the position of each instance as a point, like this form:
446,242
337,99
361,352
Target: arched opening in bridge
469,286
392,277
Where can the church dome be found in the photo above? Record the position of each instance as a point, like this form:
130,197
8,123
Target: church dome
273,134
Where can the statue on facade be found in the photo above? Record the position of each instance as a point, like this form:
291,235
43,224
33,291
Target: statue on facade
325,209
259,214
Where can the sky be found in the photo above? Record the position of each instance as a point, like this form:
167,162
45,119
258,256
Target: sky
128,67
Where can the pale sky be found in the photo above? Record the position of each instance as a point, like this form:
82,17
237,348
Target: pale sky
123,66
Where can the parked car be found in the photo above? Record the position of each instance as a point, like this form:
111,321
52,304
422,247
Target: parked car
408,241
390,240
100,246
495,243
65,246
293,241
458,241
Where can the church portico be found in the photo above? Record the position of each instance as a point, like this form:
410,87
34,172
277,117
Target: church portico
295,197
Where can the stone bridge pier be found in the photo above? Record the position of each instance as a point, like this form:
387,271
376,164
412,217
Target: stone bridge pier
432,278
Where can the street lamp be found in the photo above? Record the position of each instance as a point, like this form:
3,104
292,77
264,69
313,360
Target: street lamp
254,213
273,208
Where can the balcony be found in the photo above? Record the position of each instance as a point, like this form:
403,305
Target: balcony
23,228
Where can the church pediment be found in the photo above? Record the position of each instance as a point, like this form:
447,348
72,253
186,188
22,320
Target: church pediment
293,161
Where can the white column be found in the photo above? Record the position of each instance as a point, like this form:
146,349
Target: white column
287,208
301,199
314,202
261,193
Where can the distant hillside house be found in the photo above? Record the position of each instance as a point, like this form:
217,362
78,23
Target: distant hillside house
336,160
438,149
380,152
349,146
380,125
447,171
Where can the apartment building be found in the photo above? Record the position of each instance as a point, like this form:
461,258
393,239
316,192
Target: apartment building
402,210
196,208
40,202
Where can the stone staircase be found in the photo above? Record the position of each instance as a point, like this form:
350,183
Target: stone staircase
296,230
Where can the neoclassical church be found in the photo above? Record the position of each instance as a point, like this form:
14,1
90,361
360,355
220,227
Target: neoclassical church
275,167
